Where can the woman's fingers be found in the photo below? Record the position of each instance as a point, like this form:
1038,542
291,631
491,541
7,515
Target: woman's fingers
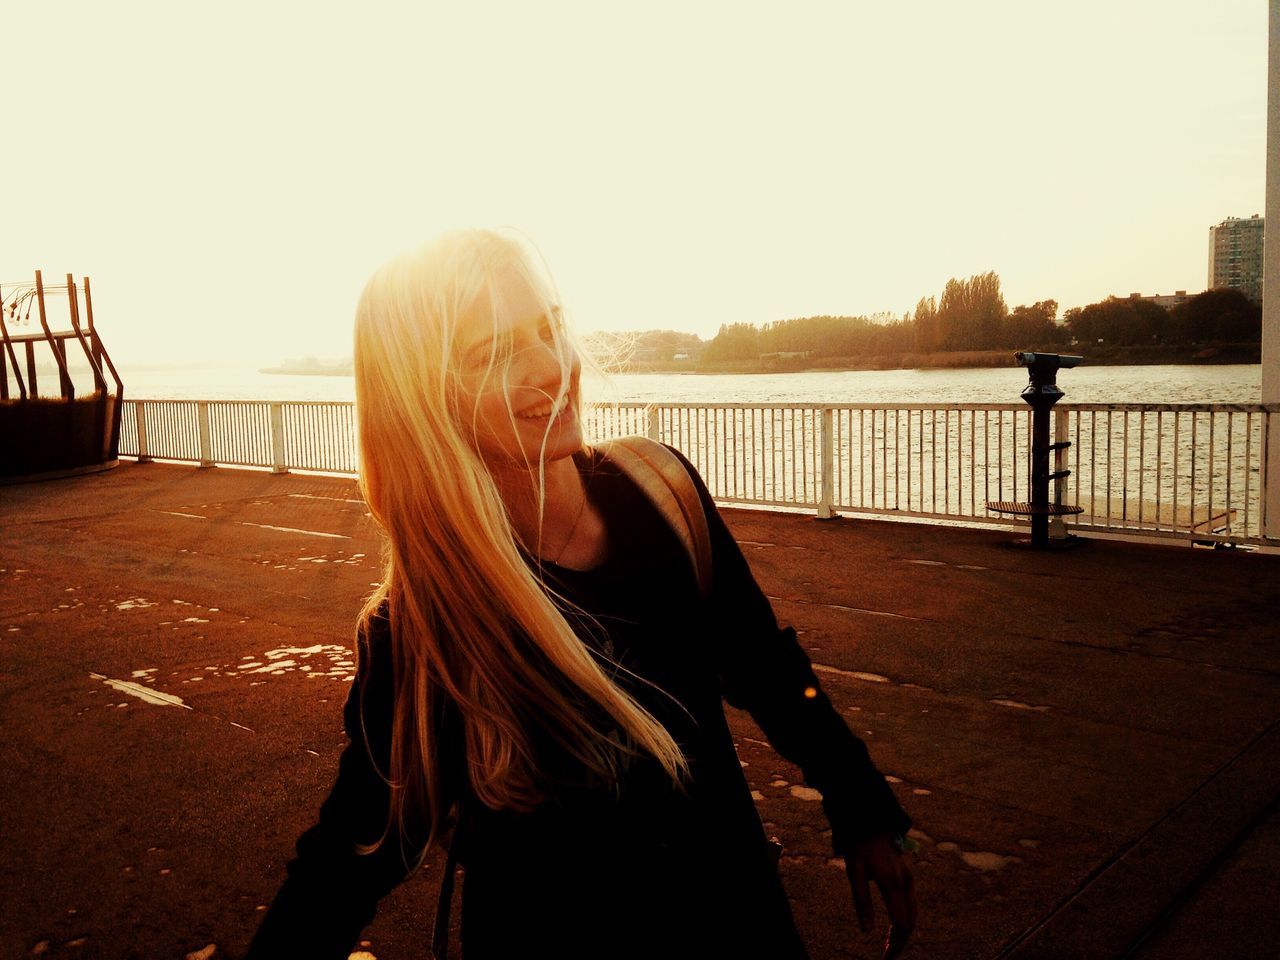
862,903
900,904
876,860
894,943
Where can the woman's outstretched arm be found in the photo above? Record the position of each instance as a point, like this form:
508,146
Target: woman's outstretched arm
332,891
764,670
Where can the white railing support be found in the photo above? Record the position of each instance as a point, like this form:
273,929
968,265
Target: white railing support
653,422
206,440
278,464
1057,525
827,490
140,420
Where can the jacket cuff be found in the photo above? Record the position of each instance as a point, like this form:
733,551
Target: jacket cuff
875,810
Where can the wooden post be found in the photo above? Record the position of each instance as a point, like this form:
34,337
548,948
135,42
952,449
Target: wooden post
60,354
99,382
103,360
93,332
12,358
653,422
31,368
73,304
68,388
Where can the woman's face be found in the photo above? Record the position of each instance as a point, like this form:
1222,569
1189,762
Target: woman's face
511,377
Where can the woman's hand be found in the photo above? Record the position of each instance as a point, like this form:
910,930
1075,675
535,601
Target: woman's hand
876,859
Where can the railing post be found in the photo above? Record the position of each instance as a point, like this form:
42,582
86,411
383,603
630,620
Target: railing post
140,419
1057,525
277,439
654,422
206,441
826,492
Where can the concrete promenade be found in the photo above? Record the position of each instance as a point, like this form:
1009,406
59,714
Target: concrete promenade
1087,740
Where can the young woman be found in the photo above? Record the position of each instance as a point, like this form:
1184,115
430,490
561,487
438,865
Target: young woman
541,677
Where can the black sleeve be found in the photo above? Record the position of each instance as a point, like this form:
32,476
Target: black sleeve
764,670
332,890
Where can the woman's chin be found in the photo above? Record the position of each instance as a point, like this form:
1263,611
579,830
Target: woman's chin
563,441
555,441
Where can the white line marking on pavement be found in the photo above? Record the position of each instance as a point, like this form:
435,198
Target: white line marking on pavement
1018,705
174,513
856,674
944,563
145,694
312,496
309,533
840,606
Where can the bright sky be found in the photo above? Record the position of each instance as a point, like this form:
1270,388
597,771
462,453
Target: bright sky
229,174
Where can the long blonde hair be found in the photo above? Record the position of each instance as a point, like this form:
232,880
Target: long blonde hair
470,621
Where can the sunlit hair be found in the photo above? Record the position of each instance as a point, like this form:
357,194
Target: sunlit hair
470,619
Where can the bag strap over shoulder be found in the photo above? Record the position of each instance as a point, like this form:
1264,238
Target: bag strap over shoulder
666,482
444,906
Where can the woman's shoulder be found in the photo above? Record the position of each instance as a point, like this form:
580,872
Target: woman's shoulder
375,663
379,617
373,643
649,456
369,701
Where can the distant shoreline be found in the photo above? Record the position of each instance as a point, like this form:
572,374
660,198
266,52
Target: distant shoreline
338,370
1097,356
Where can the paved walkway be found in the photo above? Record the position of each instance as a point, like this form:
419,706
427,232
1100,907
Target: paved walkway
1087,740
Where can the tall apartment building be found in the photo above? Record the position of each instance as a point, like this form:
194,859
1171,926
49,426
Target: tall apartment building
1235,256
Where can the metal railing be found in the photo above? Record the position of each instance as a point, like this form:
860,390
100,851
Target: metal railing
282,435
1189,471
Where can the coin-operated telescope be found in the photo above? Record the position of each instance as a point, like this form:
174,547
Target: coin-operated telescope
1043,369
1041,392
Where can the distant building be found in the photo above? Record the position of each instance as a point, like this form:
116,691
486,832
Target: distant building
1235,256
1168,301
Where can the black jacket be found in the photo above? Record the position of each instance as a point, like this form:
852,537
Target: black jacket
642,869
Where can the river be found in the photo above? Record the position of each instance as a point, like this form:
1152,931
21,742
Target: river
1228,383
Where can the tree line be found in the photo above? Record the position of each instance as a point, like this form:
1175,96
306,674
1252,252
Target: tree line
1215,316
971,314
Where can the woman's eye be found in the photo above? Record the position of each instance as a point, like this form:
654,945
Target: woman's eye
481,357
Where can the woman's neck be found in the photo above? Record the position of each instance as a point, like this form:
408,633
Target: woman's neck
570,531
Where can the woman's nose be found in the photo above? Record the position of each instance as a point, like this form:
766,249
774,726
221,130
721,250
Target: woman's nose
542,363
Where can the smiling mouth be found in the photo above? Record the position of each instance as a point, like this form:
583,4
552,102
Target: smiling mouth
545,411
